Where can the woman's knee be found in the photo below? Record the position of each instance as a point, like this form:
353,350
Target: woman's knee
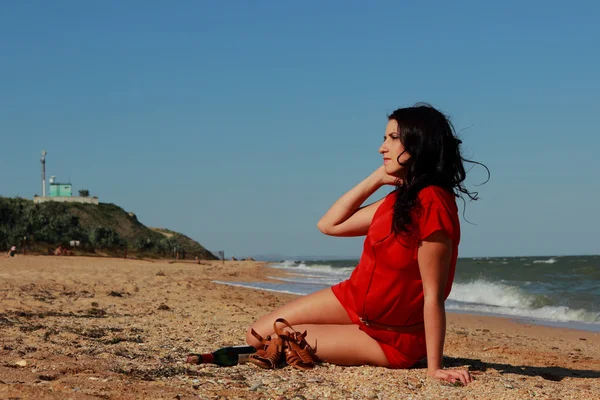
255,330
250,339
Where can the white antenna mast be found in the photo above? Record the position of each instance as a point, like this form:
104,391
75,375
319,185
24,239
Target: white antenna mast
44,173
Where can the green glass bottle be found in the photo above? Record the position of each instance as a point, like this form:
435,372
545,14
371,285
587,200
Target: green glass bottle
224,357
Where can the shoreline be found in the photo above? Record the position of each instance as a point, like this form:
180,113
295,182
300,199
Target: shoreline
89,327
576,325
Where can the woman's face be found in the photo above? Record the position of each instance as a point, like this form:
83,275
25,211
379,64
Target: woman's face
393,152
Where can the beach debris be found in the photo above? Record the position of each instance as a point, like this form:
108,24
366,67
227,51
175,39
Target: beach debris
164,307
31,328
4,322
115,294
21,363
96,312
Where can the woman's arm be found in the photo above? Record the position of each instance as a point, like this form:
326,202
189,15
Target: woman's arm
346,217
434,258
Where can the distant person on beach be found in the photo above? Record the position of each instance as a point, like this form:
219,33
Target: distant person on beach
390,312
12,252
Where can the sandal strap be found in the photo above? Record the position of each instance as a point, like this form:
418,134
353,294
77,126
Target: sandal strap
298,349
270,356
298,360
264,341
298,336
282,321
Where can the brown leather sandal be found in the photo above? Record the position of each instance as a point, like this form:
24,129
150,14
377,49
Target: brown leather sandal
298,353
270,356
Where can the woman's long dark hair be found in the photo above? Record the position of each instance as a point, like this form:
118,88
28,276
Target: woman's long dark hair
429,138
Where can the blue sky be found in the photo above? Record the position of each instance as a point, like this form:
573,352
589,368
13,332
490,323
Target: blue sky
240,123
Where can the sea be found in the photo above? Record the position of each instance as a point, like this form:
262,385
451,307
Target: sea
559,291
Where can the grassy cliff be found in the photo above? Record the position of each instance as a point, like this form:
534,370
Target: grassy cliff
104,228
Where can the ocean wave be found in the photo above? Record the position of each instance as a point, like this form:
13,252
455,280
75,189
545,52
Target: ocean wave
502,299
548,261
263,286
490,293
549,313
313,268
309,280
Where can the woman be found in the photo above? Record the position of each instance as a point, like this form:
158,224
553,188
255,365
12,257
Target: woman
390,312
12,252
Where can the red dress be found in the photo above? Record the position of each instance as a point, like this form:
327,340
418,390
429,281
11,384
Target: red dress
386,287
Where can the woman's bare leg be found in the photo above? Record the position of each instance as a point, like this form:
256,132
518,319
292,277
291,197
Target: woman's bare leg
344,345
338,340
321,307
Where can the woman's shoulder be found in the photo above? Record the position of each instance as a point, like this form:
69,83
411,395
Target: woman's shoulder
436,194
429,194
387,203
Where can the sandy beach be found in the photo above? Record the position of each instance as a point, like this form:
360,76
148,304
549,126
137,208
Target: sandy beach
88,328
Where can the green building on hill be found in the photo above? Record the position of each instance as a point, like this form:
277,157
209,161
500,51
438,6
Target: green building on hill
60,189
63,193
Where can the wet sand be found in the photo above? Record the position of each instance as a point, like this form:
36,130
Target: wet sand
89,328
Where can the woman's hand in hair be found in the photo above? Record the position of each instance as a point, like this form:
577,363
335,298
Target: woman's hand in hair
387,179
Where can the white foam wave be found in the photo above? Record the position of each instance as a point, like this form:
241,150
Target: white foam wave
502,299
550,313
548,261
312,268
258,287
495,294
285,264
314,280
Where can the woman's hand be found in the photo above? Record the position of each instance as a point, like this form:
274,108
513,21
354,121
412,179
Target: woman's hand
385,178
347,216
452,375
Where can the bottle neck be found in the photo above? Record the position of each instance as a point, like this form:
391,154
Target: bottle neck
243,358
207,358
